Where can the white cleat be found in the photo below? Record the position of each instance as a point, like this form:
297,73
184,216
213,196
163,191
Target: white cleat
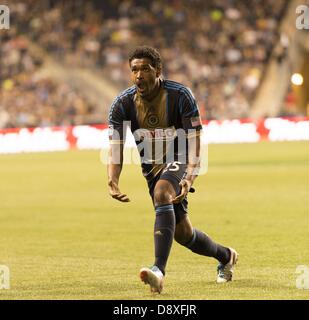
154,277
225,271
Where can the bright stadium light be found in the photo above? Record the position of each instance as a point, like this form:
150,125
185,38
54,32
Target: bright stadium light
297,79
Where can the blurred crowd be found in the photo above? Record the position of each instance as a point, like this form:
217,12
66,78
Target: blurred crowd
219,48
28,99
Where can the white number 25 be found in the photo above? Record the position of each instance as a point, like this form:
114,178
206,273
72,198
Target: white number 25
173,166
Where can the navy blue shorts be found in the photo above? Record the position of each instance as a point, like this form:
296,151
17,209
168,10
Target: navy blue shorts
173,173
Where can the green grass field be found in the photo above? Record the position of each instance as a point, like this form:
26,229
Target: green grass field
63,237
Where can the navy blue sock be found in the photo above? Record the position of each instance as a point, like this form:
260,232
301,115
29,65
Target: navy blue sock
164,230
203,245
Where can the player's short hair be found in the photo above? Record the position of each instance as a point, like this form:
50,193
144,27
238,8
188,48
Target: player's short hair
147,52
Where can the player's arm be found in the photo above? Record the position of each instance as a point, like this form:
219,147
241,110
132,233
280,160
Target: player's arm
193,126
115,152
194,145
194,161
114,168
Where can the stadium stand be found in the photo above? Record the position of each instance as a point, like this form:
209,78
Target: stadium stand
219,48
28,99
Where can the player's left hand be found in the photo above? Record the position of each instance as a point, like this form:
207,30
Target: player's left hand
185,186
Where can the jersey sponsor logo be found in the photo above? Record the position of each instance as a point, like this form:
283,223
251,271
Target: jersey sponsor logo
168,133
155,145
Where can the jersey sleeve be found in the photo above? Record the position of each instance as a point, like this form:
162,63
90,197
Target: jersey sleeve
190,115
116,123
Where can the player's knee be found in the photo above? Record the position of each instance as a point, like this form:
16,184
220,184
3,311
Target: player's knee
162,194
162,197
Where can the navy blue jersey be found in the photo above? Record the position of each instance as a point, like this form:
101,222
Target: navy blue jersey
158,125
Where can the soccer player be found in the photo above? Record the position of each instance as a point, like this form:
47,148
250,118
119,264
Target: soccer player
164,119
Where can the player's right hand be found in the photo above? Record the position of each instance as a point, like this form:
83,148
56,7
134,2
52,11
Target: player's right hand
115,192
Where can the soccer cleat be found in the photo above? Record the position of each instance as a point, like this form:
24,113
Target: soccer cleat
225,271
154,277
